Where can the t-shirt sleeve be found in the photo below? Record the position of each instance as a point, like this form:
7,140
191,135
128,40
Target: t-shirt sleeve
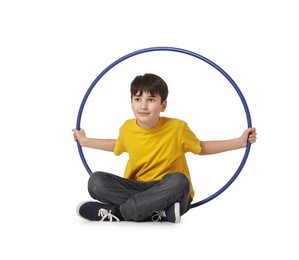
120,146
189,141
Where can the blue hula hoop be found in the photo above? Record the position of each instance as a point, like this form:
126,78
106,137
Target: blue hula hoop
173,49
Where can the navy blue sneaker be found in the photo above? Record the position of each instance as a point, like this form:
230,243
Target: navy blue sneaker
171,214
96,211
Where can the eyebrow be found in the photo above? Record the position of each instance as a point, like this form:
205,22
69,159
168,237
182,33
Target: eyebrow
150,96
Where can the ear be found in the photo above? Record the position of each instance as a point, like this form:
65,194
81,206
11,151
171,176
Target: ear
163,106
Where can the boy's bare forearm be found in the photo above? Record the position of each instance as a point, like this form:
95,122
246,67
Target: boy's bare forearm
101,144
213,147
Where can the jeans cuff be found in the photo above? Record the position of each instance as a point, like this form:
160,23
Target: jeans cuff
124,212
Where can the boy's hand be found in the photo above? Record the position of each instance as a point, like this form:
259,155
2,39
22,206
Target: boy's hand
248,135
79,135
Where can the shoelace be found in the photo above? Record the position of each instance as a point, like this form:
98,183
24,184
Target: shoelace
158,215
105,214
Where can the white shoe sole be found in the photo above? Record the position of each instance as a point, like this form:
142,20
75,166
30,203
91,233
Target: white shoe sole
177,212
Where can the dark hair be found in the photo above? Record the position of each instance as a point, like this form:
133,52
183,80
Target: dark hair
150,83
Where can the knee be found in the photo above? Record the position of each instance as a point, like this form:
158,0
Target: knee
95,184
180,181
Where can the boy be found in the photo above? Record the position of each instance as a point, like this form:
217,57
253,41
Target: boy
156,184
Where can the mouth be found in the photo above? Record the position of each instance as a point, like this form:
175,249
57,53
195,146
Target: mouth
143,114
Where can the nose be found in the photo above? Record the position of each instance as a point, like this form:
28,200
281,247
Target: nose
143,105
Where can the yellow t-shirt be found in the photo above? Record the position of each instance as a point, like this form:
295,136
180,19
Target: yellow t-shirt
157,151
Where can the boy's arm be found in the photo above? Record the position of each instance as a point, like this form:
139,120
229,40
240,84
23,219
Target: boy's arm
213,147
101,144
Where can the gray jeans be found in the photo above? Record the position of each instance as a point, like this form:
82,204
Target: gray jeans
139,200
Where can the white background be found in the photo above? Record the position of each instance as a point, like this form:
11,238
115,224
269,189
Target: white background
50,53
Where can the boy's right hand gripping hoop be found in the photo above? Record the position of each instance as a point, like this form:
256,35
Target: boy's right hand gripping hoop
243,161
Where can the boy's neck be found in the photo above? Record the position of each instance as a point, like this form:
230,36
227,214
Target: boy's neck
148,125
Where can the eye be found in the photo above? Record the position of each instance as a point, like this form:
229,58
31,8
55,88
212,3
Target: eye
136,99
151,100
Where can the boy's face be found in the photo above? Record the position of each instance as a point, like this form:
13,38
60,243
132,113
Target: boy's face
147,109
